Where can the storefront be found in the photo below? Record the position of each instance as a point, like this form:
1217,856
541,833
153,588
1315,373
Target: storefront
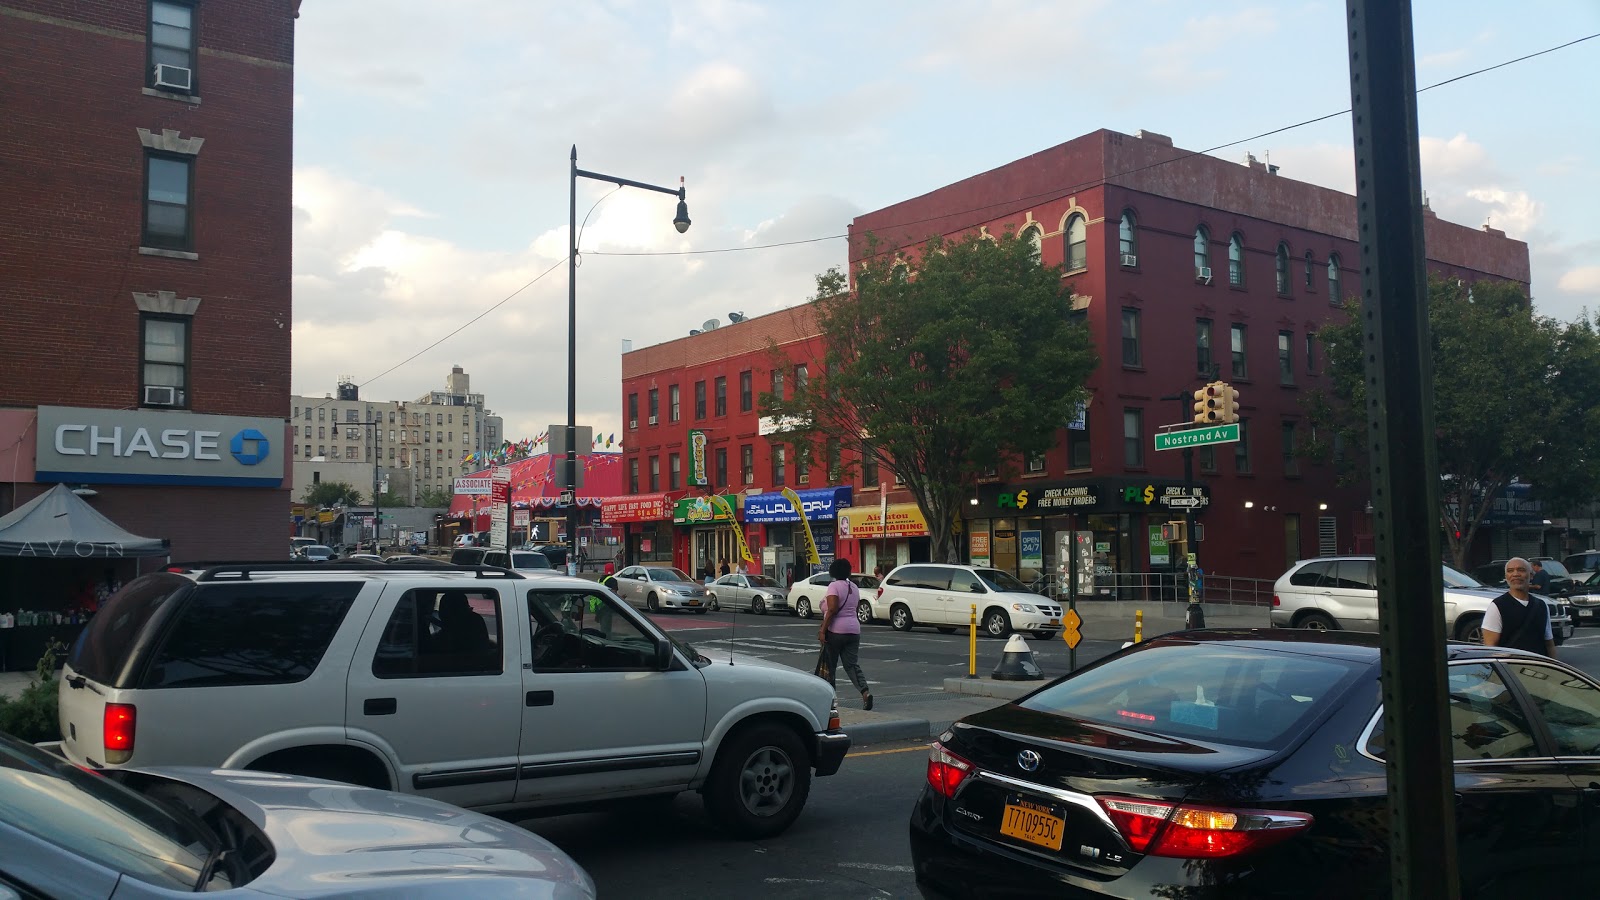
1026,529
783,545
646,522
885,535
705,538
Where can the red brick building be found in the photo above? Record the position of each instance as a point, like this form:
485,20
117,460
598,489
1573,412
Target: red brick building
145,313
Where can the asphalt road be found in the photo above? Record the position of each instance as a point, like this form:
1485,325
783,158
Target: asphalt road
850,842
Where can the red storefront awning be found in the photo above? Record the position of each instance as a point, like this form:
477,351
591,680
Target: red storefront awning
533,484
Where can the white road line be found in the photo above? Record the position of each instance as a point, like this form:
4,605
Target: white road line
875,867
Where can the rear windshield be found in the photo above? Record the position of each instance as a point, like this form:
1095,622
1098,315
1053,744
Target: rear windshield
530,560
108,639
1208,692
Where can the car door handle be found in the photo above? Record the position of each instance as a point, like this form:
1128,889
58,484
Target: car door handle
380,706
540,698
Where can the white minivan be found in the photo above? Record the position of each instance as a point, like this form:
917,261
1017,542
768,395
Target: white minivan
942,595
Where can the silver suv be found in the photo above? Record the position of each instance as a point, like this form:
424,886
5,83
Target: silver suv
1342,592
943,595
477,687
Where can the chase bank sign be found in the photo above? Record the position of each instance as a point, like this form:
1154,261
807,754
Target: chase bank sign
108,446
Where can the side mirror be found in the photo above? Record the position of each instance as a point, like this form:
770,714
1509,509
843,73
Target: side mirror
664,655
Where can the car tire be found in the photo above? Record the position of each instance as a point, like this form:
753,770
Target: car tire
713,605
652,604
759,782
802,608
1317,621
947,629
1469,628
864,612
900,617
758,606
997,624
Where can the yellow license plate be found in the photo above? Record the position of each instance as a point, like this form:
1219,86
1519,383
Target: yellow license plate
1055,621
694,603
1032,823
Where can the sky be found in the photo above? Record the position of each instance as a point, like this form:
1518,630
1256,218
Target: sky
432,145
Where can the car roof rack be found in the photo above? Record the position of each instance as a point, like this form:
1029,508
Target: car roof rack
230,571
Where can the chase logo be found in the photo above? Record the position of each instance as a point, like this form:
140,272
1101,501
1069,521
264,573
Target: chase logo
259,447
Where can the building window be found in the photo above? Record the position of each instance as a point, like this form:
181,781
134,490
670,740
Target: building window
722,467
164,361
1286,357
674,471
1202,347
835,464
672,403
1334,296
1036,462
308,450
802,462
777,384
1311,353
1291,465
1240,369
1078,456
746,400
1128,239
1241,449
655,474
1202,254
780,465
699,399
802,380
633,410
654,405
1236,260
322,450
168,183
322,432
633,476
1077,243
1208,458
722,396
352,415
747,463
171,43
1133,438
350,453
1308,270
869,466
1130,338
1035,239
1283,268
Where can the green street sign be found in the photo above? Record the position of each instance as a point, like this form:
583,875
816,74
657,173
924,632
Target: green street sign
1198,437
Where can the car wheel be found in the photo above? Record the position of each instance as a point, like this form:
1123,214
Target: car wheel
1469,628
652,604
802,608
759,782
900,617
996,623
1316,621
713,605
947,629
1043,635
864,612
758,606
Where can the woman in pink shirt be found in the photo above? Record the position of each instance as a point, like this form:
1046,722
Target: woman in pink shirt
840,634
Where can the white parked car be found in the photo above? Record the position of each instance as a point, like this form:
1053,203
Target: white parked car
479,688
805,598
943,595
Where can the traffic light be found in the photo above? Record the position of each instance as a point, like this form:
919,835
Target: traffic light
1208,404
1230,402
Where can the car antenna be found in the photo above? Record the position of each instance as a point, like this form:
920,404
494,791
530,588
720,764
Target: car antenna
733,632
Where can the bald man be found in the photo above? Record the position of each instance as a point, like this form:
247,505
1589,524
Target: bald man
1517,618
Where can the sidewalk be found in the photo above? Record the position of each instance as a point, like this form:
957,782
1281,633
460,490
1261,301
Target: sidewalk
12,684
1112,620
919,721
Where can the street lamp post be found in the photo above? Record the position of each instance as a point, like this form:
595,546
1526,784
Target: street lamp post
680,222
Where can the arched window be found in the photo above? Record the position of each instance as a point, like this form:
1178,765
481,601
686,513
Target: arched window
1035,239
1128,239
1334,296
1202,253
1077,243
1308,270
1236,259
1283,268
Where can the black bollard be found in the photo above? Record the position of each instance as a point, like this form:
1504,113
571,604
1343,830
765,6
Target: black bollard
1195,617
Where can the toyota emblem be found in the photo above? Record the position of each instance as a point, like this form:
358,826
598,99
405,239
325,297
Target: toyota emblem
1028,760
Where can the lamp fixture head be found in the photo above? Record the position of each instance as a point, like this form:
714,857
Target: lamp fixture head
681,220
973,501
1322,506
1249,504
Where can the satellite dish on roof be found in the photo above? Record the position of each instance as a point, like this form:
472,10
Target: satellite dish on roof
710,325
735,317
693,332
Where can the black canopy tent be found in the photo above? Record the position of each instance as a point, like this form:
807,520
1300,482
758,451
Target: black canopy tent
58,524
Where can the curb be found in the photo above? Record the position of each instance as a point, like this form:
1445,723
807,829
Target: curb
893,730
1000,690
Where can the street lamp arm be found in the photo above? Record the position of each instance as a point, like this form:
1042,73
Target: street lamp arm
628,182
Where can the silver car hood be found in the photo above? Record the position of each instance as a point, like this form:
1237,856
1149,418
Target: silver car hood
339,840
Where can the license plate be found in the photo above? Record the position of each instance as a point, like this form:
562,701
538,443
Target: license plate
694,603
1055,621
1585,613
1032,822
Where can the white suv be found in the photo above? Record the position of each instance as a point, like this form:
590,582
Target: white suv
477,687
942,595
1342,592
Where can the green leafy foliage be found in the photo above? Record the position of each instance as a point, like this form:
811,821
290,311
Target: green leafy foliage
332,493
1514,398
432,497
971,362
35,715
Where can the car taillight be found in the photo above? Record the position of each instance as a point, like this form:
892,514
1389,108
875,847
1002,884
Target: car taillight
880,592
120,719
833,717
1276,601
1185,831
946,770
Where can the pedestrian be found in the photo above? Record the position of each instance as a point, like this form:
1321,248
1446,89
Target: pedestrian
840,633
1539,581
726,569
1517,618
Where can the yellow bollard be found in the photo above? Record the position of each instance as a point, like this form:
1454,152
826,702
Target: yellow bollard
1138,625
972,644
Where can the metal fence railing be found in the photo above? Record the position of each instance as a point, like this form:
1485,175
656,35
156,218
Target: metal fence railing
1170,587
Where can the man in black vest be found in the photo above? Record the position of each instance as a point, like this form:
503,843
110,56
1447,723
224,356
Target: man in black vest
1517,618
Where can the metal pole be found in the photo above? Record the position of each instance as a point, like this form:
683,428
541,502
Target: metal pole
1405,479
377,505
1072,583
570,477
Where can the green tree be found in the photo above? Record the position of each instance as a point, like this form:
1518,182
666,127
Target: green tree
332,493
431,497
390,500
970,363
1513,399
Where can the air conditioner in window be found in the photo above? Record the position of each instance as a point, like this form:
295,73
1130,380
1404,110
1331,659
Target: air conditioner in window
750,479
160,395
805,479
652,420
633,423
174,78
1203,273
1130,259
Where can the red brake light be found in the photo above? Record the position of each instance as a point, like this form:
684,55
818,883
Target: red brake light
880,592
120,719
1157,828
1276,601
946,770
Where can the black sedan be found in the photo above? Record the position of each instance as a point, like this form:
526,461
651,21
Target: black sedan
1249,763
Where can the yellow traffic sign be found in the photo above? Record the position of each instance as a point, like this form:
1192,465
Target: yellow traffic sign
1069,629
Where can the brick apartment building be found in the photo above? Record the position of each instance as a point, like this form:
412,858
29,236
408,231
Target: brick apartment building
145,313
1187,268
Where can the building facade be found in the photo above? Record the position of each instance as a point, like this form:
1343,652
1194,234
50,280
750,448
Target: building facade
145,312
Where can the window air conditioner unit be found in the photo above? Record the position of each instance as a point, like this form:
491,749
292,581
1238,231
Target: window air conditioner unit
805,479
1130,259
633,423
155,395
652,420
1204,274
750,479
174,78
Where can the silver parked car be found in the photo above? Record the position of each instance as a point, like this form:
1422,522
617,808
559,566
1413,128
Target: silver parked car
66,831
661,587
757,593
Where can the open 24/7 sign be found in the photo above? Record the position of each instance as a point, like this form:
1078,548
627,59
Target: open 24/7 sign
1198,437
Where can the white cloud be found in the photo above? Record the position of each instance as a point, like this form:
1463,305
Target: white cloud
1584,280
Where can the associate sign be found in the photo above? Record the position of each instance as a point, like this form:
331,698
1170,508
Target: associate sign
148,447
